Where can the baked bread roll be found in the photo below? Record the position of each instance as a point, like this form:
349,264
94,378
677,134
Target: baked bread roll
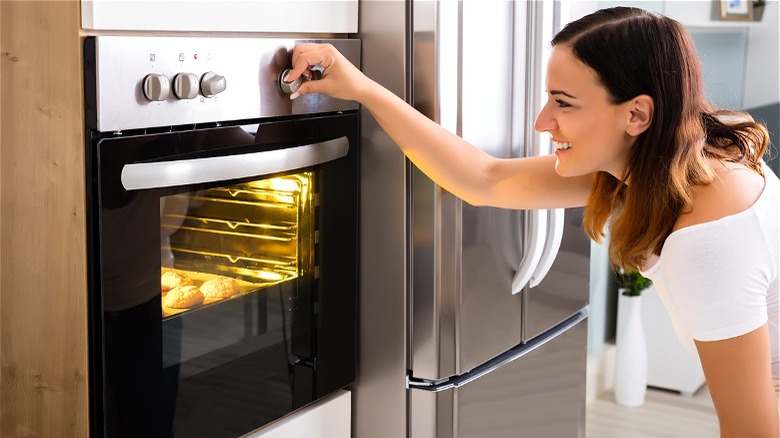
173,279
219,287
184,297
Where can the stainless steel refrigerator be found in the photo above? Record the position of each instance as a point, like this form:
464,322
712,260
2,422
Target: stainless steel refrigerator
473,320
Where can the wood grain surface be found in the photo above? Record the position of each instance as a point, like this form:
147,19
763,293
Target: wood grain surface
43,324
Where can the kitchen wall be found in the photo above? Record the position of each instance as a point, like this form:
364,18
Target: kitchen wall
762,60
721,48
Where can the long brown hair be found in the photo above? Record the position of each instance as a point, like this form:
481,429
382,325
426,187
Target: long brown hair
637,52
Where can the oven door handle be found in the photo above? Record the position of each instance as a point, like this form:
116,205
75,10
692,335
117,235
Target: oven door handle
141,176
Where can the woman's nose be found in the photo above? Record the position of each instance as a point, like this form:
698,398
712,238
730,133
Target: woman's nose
544,121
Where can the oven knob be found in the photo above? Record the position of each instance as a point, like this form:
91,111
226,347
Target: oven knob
185,85
289,87
156,87
212,83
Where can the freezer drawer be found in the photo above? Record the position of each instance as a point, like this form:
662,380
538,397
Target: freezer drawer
539,395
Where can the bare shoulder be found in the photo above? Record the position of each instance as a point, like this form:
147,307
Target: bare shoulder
736,188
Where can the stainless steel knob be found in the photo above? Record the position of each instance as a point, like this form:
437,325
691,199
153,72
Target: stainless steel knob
185,85
212,84
156,87
289,87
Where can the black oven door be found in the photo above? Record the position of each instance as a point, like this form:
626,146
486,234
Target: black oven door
224,275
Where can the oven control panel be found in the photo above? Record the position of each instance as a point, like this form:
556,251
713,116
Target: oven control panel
144,82
157,87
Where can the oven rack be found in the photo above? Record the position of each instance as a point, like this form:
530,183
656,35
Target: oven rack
268,279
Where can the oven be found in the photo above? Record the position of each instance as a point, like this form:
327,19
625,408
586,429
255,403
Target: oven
223,236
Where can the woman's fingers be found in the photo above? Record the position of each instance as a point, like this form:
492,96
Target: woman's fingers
306,56
338,75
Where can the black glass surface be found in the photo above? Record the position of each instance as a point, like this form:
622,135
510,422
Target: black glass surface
224,369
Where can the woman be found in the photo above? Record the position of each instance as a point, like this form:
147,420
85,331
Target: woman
683,186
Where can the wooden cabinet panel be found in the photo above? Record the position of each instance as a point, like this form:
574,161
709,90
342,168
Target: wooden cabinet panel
43,323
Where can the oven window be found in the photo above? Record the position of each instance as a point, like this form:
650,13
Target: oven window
222,243
237,263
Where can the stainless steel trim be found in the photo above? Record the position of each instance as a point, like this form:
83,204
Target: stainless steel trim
510,355
141,176
532,78
379,405
435,212
250,67
455,361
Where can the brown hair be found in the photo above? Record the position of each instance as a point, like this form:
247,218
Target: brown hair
637,52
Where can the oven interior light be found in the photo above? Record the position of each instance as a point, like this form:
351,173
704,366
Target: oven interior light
259,233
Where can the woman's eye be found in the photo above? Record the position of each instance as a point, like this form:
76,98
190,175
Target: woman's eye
562,104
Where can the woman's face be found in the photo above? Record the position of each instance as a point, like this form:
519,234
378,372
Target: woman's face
588,131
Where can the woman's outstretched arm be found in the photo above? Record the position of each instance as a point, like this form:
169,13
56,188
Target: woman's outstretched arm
462,169
739,378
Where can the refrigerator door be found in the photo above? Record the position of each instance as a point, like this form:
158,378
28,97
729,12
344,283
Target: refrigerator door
539,395
475,71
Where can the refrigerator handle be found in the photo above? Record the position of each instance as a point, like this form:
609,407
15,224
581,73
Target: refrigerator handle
502,359
551,247
537,224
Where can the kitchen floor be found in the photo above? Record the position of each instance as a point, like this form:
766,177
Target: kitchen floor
665,414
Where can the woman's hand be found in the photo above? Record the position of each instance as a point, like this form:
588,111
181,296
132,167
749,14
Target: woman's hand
340,79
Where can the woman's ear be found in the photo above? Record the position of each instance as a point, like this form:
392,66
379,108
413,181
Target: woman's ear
641,109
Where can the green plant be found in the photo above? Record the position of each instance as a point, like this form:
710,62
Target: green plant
759,3
633,282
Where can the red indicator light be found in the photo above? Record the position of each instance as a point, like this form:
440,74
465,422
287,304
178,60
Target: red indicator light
195,56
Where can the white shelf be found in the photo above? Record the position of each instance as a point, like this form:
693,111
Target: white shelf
307,16
720,27
330,417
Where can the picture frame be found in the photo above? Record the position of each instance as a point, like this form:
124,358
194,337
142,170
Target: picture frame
736,10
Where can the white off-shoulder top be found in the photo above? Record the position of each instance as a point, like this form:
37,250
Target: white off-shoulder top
719,279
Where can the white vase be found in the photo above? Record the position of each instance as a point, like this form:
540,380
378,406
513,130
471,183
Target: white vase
758,13
631,353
